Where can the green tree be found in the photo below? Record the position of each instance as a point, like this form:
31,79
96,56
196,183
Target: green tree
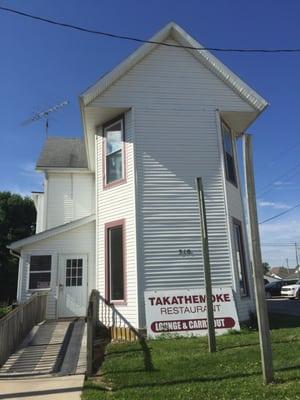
17,221
266,267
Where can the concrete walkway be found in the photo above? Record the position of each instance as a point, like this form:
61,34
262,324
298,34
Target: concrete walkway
42,388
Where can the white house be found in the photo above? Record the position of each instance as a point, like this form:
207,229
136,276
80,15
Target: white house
120,207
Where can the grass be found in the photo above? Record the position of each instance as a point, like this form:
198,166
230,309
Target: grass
182,369
4,309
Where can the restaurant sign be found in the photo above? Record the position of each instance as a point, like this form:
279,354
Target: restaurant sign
183,312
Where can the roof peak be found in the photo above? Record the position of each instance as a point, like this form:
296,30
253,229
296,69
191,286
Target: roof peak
183,38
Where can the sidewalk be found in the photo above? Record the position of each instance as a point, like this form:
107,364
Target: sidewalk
42,388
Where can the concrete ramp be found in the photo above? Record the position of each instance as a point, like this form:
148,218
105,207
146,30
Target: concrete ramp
53,347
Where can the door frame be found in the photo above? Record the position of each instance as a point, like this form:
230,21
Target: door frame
61,273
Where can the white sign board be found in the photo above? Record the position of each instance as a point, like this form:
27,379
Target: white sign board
183,311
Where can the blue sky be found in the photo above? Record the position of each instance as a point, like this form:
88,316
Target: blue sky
42,65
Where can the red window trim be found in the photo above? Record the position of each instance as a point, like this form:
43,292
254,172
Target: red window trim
124,154
107,226
238,223
235,181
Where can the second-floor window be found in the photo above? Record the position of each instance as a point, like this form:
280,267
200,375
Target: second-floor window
228,154
114,151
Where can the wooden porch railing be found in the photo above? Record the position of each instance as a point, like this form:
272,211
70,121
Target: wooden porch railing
120,328
18,323
100,312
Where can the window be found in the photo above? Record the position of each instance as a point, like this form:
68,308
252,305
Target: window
228,154
240,257
114,151
115,261
74,272
40,272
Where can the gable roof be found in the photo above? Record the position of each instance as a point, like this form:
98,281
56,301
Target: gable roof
184,39
51,232
62,152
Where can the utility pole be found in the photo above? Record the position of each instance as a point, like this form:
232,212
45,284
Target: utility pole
297,259
287,265
260,298
207,276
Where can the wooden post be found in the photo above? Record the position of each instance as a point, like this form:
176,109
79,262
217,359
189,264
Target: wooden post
89,342
206,263
260,297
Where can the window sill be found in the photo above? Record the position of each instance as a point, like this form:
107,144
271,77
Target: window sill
114,183
232,183
39,290
118,303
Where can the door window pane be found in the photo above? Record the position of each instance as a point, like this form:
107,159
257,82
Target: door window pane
74,272
116,267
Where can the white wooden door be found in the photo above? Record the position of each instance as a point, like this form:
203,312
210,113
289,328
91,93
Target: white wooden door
72,285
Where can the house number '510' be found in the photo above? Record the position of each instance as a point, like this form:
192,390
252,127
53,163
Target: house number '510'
185,252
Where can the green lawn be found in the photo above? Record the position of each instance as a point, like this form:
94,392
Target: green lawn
4,310
183,369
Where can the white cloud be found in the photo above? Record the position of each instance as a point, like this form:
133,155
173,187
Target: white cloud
15,188
27,170
274,205
24,181
281,183
277,241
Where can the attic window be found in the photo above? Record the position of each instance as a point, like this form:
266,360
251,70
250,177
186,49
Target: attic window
228,154
114,151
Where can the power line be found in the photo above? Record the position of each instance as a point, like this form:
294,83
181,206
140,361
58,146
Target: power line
279,244
270,186
135,39
280,214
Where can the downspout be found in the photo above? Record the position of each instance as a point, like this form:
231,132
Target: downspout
18,255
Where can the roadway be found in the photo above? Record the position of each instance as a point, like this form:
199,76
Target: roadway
284,306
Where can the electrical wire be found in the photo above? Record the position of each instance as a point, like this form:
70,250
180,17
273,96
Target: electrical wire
271,186
135,39
280,214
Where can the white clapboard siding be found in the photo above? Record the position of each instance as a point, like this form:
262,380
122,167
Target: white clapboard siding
38,199
69,197
77,241
236,210
174,99
171,76
114,204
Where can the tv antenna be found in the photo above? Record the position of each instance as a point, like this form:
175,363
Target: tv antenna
45,115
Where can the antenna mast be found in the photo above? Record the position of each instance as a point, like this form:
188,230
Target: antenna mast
45,114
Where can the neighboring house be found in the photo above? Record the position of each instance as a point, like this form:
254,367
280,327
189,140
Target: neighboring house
285,273
120,207
279,272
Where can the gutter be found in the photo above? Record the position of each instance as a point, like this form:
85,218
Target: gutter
14,253
18,255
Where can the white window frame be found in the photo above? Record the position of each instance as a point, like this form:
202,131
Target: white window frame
243,262
33,272
234,181
106,127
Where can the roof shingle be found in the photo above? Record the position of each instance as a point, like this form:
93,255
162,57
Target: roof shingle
62,152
